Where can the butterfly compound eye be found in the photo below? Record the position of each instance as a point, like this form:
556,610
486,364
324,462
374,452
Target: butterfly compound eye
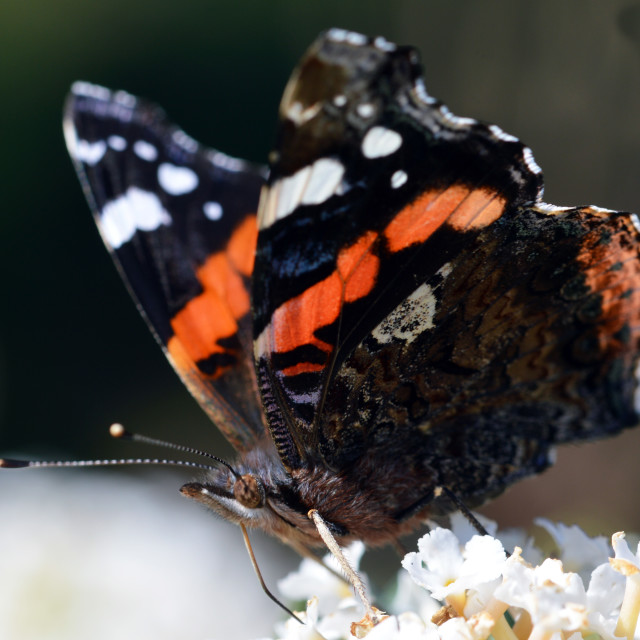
249,492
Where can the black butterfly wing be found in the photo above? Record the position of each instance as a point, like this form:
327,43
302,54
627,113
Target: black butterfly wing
180,223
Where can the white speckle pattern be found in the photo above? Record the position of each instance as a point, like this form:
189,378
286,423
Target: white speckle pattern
532,165
313,184
380,142
185,141
340,100
365,110
502,135
549,209
635,221
398,179
383,44
89,90
342,35
455,122
409,319
125,99
414,315
421,92
212,210
134,210
227,162
90,152
175,180
117,143
145,150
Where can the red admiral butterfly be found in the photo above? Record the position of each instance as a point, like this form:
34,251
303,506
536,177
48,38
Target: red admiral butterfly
391,309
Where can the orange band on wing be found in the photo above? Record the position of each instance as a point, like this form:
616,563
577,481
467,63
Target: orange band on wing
241,248
296,321
201,323
458,206
223,271
218,275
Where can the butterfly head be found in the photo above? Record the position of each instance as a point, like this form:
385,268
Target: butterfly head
257,493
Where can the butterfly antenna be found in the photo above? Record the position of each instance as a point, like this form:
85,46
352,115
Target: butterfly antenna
11,463
118,431
256,568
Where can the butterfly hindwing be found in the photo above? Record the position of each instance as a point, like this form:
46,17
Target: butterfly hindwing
180,222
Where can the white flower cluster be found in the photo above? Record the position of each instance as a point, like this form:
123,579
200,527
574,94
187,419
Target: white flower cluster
460,586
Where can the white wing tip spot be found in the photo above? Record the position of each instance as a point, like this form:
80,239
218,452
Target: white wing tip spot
212,210
145,150
380,141
117,143
88,90
134,210
365,110
398,179
89,152
176,180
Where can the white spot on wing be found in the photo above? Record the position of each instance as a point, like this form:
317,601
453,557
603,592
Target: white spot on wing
212,210
176,180
398,179
313,184
635,221
134,210
340,100
90,152
117,143
365,110
380,142
145,150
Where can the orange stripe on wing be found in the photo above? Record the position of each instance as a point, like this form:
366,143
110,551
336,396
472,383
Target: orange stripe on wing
223,271
295,322
218,275
460,207
201,323
241,248
358,267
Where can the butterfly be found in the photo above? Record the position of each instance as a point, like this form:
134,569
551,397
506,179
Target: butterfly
388,310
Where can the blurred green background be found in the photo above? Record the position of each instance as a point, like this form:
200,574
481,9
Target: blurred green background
74,354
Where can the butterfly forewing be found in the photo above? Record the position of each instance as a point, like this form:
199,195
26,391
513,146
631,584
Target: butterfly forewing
180,221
